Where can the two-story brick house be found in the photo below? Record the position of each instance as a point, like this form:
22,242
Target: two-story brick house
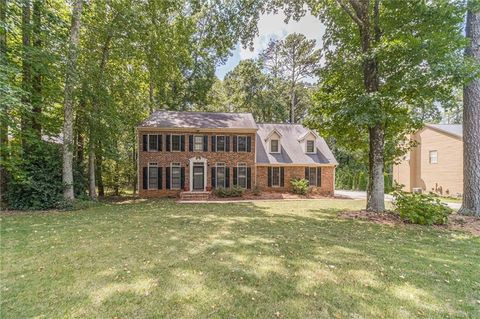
201,151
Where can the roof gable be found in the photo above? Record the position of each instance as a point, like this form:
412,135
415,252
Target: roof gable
455,130
292,151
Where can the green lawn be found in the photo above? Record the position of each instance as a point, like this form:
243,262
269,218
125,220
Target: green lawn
292,259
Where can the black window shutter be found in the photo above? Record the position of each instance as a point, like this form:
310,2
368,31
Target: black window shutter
145,142
213,142
249,177
167,177
282,176
319,176
234,143
234,176
307,170
227,177
269,176
145,178
190,143
167,142
182,178
205,143
214,181
227,143
182,143
158,142
160,178
249,143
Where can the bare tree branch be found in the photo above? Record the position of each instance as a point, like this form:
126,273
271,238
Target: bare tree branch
352,15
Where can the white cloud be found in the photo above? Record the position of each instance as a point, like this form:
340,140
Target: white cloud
273,26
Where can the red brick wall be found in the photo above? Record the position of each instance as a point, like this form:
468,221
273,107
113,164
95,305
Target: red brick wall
291,172
164,159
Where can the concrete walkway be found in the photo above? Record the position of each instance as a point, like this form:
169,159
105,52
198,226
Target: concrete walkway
363,195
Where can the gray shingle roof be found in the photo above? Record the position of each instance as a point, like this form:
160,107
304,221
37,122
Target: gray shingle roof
454,129
208,120
291,150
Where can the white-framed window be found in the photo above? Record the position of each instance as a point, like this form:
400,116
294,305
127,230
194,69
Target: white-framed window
220,179
433,157
175,143
198,143
152,142
275,176
310,146
274,146
175,176
312,176
153,175
242,175
241,143
221,143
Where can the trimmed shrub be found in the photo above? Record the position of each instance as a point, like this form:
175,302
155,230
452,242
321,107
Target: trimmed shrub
256,190
299,185
234,191
421,208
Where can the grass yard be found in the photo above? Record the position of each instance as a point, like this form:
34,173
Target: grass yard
291,259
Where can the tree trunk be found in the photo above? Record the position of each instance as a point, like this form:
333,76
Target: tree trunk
26,73
70,78
99,171
134,162
36,116
471,122
292,105
4,154
150,92
376,187
92,191
376,132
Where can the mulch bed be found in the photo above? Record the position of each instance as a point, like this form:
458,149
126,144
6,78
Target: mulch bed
456,222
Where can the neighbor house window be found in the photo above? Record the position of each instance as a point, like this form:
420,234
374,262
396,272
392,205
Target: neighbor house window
273,146
433,157
242,175
221,145
152,142
310,146
241,143
175,176
198,143
220,176
152,175
275,176
176,143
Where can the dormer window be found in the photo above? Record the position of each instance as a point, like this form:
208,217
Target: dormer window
274,146
310,146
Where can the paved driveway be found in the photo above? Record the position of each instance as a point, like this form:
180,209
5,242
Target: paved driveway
363,195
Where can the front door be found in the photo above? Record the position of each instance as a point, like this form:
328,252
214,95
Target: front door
198,177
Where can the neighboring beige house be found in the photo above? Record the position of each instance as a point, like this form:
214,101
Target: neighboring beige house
436,164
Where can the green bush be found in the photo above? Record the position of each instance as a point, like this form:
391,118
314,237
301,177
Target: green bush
256,190
299,185
421,208
35,182
234,191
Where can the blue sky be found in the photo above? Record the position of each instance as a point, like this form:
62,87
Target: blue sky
273,26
